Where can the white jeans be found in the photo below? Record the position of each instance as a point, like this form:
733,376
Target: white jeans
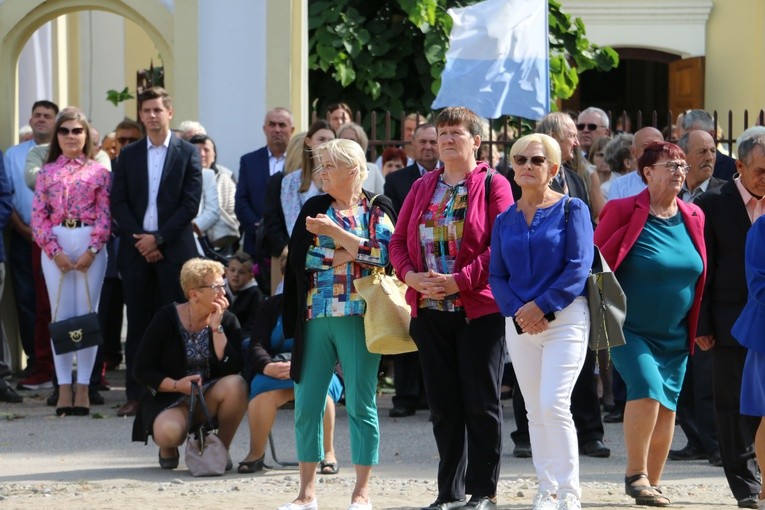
547,366
74,302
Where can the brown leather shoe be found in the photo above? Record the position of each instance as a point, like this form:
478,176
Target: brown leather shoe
128,409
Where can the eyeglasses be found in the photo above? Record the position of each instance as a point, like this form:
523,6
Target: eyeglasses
75,131
674,166
535,160
590,127
124,140
218,287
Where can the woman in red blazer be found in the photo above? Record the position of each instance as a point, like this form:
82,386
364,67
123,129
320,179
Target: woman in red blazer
655,245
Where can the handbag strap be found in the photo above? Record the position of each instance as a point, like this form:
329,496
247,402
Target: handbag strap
61,286
197,389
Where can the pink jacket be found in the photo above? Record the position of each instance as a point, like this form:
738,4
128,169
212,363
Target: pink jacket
472,264
621,222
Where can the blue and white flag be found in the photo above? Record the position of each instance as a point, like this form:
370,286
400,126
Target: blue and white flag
498,60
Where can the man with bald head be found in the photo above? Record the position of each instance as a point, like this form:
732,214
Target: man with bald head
631,183
255,168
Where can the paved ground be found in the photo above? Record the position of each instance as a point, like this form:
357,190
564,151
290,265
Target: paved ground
50,462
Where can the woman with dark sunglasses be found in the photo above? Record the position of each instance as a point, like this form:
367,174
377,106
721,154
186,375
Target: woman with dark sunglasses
541,254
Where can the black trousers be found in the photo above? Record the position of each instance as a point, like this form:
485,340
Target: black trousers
695,405
735,432
110,317
462,364
585,407
407,380
147,288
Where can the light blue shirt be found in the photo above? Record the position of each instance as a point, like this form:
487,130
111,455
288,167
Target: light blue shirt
626,186
14,160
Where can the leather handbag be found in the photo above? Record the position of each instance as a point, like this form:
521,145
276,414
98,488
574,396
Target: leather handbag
608,306
75,333
386,320
205,453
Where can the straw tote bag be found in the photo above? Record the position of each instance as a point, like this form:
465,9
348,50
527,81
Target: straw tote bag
386,320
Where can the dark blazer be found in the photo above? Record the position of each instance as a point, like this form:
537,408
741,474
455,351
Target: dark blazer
180,191
725,167
245,307
621,223
162,353
576,187
250,194
274,225
725,230
296,277
749,327
6,208
398,184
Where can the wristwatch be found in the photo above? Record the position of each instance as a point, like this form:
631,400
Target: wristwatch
219,329
158,239
93,250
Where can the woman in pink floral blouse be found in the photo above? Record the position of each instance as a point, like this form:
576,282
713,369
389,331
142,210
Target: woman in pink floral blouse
71,224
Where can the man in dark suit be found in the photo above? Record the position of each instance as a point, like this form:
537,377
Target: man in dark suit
725,166
410,393
729,213
255,168
695,407
157,186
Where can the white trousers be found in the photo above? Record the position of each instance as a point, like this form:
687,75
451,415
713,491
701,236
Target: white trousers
73,302
547,366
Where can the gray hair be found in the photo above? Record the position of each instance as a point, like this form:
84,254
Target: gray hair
190,128
698,119
344,154
750,132
683,142
748,145
553,124
360,133
617,151
600,113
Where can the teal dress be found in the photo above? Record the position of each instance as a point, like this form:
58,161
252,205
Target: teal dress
659,277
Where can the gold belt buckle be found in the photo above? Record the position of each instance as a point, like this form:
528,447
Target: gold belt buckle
70,223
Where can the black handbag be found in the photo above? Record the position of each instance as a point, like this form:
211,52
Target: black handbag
75,333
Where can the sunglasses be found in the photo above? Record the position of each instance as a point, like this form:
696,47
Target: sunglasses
535,160
590,127
75,131
124,140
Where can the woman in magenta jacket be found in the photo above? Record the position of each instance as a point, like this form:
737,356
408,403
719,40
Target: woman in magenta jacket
441,250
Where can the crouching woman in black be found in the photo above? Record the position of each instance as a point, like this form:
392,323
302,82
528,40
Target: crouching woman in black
197,342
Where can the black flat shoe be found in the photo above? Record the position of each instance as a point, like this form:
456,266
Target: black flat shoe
482,503
80,411
169,463
64,411
446,505
251,466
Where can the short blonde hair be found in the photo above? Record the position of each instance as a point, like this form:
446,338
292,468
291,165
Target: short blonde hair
195,271
345,154
549,144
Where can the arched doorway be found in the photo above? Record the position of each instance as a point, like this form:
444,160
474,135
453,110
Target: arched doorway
24,17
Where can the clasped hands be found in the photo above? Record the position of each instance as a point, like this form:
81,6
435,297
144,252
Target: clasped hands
531,318
65,264
147,247
432,285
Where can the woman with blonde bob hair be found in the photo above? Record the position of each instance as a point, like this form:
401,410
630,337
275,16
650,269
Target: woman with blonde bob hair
193,343
541,254
339,237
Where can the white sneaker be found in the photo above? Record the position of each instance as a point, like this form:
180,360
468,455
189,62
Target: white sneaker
311,505
543,501
568,502
361,506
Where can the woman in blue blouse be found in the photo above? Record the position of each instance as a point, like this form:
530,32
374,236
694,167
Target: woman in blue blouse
338,237
541,254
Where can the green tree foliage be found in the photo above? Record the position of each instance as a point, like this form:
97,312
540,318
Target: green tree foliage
388,55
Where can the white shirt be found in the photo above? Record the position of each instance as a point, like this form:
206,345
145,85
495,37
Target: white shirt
275,163
156,162
626,186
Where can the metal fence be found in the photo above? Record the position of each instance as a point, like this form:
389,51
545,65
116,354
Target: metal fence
385,130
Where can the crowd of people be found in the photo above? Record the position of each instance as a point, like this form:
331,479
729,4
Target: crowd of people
239,283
